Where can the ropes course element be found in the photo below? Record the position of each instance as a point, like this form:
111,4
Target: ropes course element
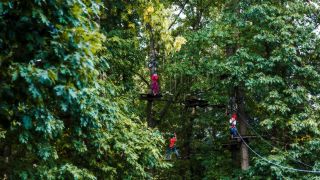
267,142
275,164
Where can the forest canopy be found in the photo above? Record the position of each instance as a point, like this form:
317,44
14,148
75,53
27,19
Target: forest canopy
111,89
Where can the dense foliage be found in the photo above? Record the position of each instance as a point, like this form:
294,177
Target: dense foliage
60,113
72,71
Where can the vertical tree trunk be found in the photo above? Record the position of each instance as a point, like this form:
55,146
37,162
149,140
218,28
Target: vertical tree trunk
242,129
189,132
231,50
150,119
235,155
187,137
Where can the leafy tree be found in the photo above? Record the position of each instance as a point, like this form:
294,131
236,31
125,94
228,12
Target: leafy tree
60,114
268,50
72,71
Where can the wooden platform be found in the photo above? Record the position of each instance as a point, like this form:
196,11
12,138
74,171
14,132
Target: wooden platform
245,137
150,97
236,141
231,146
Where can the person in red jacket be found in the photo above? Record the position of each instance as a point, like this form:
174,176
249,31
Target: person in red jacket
233,123
155,84
172,148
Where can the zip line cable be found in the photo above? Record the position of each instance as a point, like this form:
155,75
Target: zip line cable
267,142
279,165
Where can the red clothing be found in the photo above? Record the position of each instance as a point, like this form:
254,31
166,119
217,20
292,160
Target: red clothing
155,84
233,123
155,87
154,77
233,120
234,116
172,142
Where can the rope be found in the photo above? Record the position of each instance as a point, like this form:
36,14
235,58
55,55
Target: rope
267,142
270,162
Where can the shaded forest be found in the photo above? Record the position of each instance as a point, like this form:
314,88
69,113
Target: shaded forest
95,89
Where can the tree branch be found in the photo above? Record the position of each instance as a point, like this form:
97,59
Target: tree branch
184,5
141,77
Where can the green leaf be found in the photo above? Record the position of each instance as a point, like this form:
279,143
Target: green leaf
27,122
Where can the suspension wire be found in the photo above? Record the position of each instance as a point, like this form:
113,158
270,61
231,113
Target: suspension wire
267,142
273,163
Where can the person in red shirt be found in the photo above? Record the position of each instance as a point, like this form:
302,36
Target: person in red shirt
155,84
233,123
172,148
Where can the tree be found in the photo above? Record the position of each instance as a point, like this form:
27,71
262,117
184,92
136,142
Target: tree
60,114
273,65
72,71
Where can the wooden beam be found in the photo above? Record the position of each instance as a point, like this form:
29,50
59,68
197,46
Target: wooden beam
150,97
246,137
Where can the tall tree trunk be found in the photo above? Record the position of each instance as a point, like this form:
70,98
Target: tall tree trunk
235,155
187,136
189,132
150,120
243,129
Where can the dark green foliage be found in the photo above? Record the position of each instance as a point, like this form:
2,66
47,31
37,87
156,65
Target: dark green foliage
61,116
269,50
72,71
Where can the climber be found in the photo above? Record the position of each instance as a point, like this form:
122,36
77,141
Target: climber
155,84
153,67
172,148
233,123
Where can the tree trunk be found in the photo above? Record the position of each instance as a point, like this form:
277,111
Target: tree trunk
235,155
242,129
150,120
189,132
187,137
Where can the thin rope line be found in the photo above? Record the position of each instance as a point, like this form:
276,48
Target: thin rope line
275,146
281,166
